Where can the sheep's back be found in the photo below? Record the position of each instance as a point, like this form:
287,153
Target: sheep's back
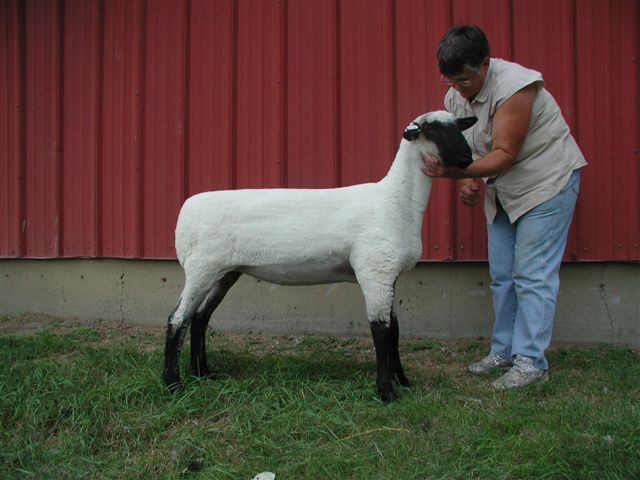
258,227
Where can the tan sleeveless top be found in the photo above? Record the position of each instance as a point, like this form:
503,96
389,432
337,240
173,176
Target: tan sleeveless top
549,153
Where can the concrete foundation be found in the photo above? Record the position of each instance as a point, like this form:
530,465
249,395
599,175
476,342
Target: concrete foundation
598,302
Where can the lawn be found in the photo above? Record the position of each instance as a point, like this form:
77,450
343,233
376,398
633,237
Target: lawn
82,399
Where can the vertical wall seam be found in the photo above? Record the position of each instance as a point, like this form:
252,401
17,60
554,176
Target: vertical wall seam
512,43
574,67
58,247
22,132
338,95
636,59
634,235
393,32
142,127
452,228
98,193
233,98
186,99
574,105
284,93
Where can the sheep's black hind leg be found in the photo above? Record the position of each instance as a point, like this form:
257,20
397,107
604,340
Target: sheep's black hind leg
201,321
173,345
394,354
195,291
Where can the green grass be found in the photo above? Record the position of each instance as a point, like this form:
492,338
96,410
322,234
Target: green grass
86,401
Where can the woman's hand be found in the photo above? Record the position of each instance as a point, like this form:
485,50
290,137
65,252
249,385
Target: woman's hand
433,167
470,193
469,190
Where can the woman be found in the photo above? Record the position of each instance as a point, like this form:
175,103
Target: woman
531,165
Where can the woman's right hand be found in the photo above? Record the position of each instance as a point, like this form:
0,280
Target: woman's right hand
470,193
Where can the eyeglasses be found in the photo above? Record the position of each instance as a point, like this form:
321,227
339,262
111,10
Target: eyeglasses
461,83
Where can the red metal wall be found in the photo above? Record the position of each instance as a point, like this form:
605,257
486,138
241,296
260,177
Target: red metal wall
112,112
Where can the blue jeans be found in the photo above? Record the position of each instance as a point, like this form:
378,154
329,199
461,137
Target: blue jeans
524,261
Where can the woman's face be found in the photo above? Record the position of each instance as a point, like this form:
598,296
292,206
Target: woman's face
470,81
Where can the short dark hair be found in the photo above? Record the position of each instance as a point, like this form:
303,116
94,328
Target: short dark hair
460,46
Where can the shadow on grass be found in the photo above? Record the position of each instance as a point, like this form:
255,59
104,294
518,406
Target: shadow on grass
308,366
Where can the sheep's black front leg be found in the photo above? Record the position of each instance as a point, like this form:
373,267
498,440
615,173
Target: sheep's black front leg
381,339
394,354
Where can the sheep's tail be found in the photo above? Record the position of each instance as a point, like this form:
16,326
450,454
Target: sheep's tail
182,251
185,235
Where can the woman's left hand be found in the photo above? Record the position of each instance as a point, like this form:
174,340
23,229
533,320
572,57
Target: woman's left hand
433,167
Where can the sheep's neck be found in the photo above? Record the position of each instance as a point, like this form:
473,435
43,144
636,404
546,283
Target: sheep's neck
410,186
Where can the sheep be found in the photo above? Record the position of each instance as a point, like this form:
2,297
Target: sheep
369,233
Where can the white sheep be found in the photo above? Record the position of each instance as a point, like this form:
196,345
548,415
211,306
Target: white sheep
369,233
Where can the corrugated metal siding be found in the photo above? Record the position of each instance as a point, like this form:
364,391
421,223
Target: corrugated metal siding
608,128
80,121
11,131
112,112
121,128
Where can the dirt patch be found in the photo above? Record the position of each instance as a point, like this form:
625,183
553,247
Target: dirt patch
25,324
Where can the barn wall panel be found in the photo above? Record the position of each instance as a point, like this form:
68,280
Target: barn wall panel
607,129
366,107
113,112
164,125
260,100
11,130
80,126
121,150
311,82
211,86
43,128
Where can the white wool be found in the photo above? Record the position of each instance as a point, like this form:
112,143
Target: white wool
437,116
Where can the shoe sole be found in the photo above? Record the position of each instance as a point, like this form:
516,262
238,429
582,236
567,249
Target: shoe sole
486,372
542,379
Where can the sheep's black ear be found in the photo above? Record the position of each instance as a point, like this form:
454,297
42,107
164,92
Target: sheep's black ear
466,122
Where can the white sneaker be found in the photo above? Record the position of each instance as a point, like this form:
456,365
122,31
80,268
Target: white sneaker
489,363
522,373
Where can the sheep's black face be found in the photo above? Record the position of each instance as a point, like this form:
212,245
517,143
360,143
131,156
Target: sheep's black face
452,147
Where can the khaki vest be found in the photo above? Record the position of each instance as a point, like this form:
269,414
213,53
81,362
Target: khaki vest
549,153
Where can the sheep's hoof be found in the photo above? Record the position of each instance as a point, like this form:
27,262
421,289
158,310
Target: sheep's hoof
202,372
402,380
388,397
174,387
173,383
